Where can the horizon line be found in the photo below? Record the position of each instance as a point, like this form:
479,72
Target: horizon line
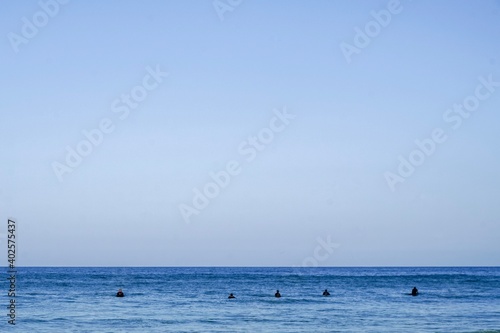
295,267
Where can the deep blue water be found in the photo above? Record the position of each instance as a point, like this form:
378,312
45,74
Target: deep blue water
195,300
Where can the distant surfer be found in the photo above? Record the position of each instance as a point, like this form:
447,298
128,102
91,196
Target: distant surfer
414,291
120,293
326,293
277,294
231,296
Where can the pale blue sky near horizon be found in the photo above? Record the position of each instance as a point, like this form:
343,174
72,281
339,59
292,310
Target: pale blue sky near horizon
321,177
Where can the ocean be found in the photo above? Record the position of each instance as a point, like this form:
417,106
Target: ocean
168,299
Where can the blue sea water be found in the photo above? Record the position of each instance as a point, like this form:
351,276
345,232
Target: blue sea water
452,299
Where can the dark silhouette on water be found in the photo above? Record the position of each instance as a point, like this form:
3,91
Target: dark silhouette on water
414,291
278,295
231,296
326,293
120,293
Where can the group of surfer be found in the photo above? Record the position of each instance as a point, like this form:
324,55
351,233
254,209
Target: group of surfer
278,295
414,292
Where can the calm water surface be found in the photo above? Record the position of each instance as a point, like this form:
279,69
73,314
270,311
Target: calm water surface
195,300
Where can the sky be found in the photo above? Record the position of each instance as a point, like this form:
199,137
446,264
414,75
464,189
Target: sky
250,133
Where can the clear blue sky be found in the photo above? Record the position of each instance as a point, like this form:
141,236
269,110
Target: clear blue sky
323,175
